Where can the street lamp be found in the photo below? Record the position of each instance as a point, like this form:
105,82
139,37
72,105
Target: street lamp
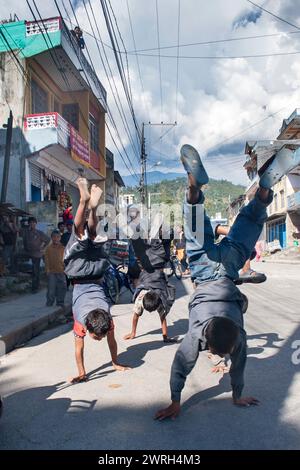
155,164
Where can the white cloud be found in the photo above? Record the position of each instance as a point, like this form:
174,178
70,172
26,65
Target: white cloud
217,99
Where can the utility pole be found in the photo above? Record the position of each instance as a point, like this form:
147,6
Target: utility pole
143,168
5,175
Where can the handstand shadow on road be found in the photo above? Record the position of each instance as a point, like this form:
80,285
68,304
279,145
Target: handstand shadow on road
178,328
34,419
33,408
134,355
269,379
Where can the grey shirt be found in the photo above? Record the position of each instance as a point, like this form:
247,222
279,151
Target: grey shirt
218,298
87,297
35,242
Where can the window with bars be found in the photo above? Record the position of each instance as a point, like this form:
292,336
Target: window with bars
94,134
70,113
39,98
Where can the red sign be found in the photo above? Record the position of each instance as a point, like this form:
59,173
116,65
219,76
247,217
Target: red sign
79,147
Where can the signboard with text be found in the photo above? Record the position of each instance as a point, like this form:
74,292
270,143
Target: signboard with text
79,147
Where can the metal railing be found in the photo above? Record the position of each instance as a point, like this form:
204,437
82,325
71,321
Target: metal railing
40,121
52,25
68,136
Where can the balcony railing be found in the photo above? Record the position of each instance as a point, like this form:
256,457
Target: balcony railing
51,25
68,136
72,49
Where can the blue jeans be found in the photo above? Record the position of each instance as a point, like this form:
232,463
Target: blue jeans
209,260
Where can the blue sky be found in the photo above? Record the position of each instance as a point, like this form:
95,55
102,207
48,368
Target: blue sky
221,103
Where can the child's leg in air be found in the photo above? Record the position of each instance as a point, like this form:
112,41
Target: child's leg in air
96,193
80,217
237,247
201,251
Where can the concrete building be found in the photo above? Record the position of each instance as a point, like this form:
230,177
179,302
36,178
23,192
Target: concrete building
113,182
118,183
284,213
218,219
127,199
59,106
234,208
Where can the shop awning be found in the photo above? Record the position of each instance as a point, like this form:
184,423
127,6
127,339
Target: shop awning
58,162
9,209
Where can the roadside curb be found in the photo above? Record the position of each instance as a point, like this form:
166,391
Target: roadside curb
20,335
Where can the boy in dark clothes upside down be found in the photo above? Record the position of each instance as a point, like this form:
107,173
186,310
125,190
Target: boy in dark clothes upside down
216,307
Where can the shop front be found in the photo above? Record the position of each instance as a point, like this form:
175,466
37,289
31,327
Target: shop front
276,233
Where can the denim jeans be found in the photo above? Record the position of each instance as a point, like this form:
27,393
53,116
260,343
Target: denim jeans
209,260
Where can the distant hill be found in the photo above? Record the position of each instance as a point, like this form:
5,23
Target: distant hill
152,177
218,193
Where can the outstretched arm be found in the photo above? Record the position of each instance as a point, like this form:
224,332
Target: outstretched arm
238,362
184,361
132,334
112,344
79,349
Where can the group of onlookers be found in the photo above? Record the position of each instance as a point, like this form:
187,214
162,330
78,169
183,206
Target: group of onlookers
37,246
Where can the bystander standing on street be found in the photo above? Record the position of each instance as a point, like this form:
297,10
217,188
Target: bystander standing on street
54,265
35,242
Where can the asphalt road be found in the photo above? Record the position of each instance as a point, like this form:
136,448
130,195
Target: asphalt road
114,410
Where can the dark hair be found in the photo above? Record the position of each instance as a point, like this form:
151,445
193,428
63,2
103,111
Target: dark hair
60,224
98,321
32,219
221,334
55,232
151,301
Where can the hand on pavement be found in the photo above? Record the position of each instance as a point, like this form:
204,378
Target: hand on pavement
246,401
171,412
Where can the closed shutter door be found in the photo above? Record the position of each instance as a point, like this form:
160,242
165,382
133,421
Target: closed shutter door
36,176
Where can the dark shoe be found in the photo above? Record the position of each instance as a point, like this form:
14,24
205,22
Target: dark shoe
166,339
283,162
252,277
49,304
192,163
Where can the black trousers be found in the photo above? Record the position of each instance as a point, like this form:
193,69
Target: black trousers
36,265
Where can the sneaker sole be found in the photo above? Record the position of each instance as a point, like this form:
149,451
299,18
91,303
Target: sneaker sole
192,163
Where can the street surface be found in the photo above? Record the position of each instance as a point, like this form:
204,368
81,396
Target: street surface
114,410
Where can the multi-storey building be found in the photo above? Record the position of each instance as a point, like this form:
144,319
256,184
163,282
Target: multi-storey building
58,106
